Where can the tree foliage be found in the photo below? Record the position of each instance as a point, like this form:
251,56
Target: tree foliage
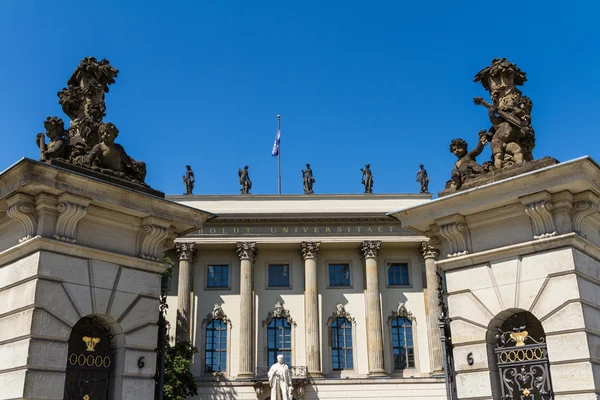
179,382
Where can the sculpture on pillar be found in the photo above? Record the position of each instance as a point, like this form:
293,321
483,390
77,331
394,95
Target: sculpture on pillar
367,178
245,180
466,166
89,142
511,136
423,179
58,145
189,180
307,177
280,380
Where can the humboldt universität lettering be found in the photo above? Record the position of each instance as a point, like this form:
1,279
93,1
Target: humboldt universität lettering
300,230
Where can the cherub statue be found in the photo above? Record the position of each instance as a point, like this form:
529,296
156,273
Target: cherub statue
57,147
423,179
367,178
189,180
308,180
245,180
109,156
466,165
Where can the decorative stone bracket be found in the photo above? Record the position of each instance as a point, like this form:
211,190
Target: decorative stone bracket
539,209
71,209
585,205
152,234
456,234
21,207
217,313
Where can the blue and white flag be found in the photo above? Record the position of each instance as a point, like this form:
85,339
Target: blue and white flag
275,151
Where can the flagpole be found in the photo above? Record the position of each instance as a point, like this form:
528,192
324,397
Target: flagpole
279,155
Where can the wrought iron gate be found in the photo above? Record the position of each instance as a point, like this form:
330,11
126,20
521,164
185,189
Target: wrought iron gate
89,362
523,365
446,338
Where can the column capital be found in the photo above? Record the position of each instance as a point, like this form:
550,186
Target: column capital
370,248
429,251
246,250
186,251
310,250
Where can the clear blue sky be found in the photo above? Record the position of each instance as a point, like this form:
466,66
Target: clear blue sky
387,83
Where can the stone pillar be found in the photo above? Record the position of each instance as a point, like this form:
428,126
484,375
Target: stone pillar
432,309
370,251
246,252
186,252
310,252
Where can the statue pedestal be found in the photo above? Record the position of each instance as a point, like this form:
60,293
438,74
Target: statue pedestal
521,253
73,246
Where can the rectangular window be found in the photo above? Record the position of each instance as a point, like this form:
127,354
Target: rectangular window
402,342
279,340
218,276
339,275
279,275
216,346
398,274
341,345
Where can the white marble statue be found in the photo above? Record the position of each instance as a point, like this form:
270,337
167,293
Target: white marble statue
280,380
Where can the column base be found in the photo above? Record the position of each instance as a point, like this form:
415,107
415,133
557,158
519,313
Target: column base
245,375
315,374
378,374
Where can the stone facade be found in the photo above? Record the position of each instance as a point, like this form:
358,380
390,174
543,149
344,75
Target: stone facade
72,247
308,234
529,246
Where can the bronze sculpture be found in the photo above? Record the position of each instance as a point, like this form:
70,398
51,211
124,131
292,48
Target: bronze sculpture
423,179
88,144
245,180
308,180
189,180
367,178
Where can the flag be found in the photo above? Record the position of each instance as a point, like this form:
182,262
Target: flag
275,151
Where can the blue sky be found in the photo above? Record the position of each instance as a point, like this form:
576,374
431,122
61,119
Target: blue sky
387,83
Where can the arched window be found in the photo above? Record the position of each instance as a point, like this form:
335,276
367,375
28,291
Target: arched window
279,340
216,346
341,344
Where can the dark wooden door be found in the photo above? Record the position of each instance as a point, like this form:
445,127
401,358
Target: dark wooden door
89,363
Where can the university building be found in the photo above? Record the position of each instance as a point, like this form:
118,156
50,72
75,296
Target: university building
331,282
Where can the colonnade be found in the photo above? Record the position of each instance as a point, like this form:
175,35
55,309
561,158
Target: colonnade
369,251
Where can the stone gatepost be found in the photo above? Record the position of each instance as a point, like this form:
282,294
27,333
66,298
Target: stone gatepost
80,273
522,255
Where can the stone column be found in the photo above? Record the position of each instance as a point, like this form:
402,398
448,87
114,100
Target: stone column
246,252
370,251
186,252
310,252
432,309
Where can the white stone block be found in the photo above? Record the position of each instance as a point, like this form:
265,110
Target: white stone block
479,353
569,377
14,354
137,389
540,265
144,337
17,297
67,268
135,281
591,317
121,302
45,324
53,296
474,384
131,363
104,274
466,305
586,264
12,384
101,300
568,346
44,385
19,270
15,325
557,291
144,312
48,354
567,318
82,297
463,332
472,278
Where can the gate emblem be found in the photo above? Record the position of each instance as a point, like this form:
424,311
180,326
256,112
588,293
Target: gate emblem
90,342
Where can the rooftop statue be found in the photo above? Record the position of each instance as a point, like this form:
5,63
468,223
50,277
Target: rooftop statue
189,180
423,179
466,165
88,144
367,178
308,180
245,181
